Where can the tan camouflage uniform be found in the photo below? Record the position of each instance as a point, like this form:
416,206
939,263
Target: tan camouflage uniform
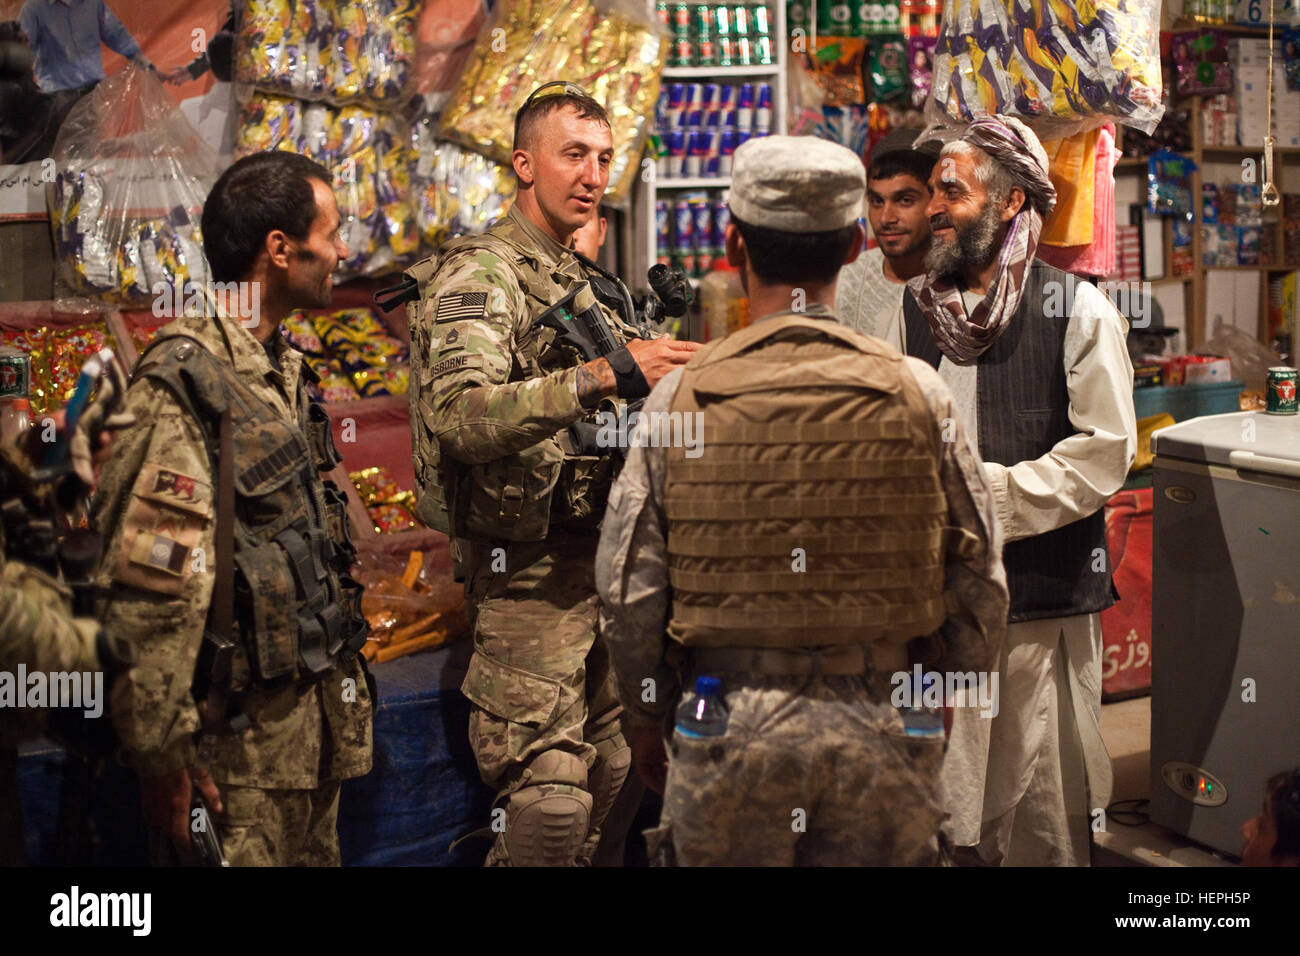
812,770
545,721
279,778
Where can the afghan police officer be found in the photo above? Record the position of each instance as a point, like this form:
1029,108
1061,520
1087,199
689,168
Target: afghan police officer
228,555
494,397
43,630
817,530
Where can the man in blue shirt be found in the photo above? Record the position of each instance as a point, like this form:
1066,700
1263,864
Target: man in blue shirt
65,36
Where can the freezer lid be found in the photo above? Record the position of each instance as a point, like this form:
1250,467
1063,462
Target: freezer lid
1251,440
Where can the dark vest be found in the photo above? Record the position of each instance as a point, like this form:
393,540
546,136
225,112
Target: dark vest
1023,411
298,608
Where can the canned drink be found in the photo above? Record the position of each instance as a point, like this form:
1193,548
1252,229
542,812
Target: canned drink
676,152
683,225
694,96
718,230
1281,391
743,136
745,107
763,109
710,97
726,150
683,51
762,51
696,152
702,20
726,97
663,226
706,52
739,20
702,223
15,373
682,19
758,22
744,55
722,21
662,14
726,51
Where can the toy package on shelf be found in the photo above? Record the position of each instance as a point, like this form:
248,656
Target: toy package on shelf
1060,66
340,51
613,49
1201,63
131,178
370,156
1169,184
457,191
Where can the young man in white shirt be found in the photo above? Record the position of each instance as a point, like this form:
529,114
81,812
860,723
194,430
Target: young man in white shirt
871,289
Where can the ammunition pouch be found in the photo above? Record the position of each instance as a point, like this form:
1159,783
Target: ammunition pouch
321,438
511,497
583,490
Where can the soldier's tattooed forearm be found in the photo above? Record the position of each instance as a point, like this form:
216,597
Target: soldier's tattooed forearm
595,381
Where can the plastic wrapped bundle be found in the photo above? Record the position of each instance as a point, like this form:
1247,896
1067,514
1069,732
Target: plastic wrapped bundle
459,192
370,157
124,207
611,48
1060,66
341,51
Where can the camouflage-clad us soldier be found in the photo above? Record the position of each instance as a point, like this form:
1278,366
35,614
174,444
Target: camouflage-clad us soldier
298,715
492,400
819,528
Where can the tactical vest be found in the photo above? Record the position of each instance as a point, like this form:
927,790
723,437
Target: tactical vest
1023,403
298,610
814,512
522,496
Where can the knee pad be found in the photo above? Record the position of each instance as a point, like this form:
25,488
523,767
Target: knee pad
547,818
613,761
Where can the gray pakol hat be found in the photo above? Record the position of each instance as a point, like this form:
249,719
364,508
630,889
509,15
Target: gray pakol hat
797,184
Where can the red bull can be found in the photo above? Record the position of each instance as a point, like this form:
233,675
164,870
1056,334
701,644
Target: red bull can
1280,393
676,152
726,151
763,110
745,108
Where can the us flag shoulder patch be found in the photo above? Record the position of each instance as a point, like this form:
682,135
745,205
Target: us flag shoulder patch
458,306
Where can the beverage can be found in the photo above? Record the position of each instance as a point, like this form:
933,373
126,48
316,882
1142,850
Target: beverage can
683,52
718,228
15,373
744,55
662,13
1281,391
702,222
758,22
695,155
739,20
745,108
682,19
726,150
763,109
683,225
710,98
663,227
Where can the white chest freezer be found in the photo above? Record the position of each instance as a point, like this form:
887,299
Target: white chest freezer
1225,616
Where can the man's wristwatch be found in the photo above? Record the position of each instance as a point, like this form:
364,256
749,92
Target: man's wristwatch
629,381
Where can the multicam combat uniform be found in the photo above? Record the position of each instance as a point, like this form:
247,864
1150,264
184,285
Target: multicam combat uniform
824,524
156,506
494,397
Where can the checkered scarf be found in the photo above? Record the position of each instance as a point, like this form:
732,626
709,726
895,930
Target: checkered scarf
963,337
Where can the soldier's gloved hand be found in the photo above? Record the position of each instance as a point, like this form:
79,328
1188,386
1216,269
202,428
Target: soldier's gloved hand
103,417
165,801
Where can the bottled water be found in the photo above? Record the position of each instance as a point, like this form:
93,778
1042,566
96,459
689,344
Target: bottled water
703,713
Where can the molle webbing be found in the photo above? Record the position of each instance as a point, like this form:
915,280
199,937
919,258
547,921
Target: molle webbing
813,512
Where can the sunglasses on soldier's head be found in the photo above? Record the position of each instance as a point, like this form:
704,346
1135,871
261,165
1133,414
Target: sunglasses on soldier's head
545,91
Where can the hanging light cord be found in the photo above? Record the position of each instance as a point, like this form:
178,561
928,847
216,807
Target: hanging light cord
1269,194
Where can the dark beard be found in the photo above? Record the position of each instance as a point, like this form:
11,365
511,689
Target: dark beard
972,248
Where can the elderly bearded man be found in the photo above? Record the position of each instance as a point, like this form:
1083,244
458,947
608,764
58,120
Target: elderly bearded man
1038,368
